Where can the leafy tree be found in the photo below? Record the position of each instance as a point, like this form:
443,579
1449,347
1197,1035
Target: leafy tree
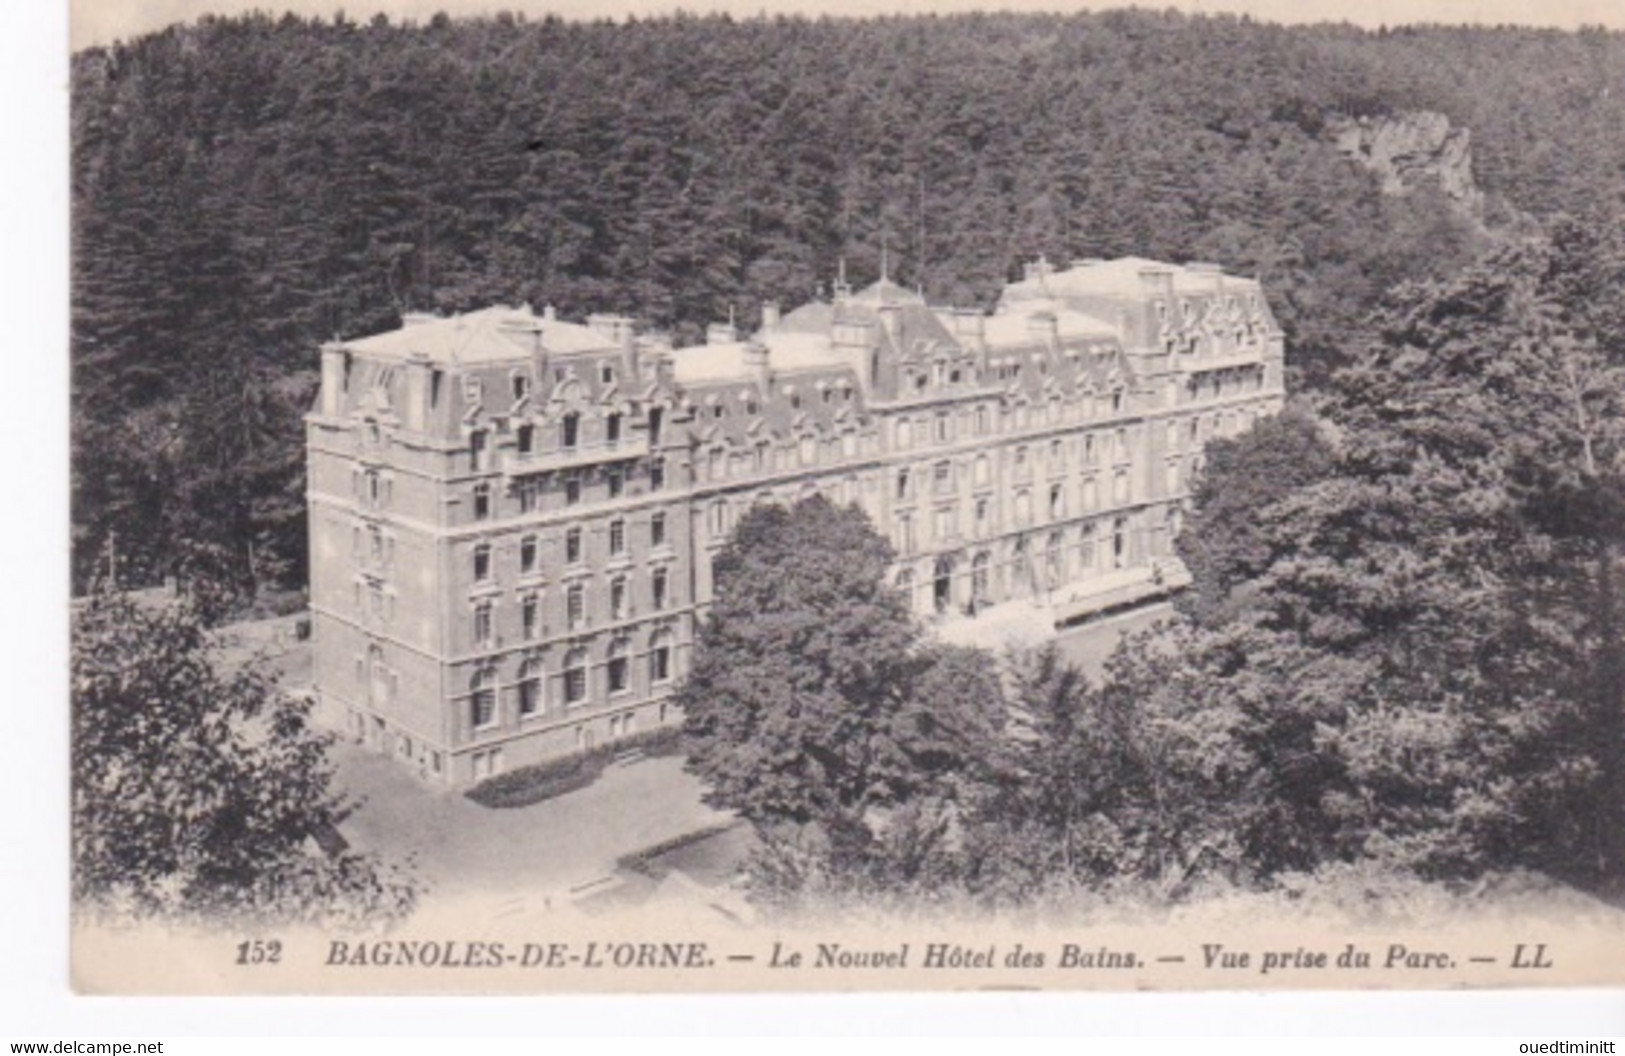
814,709
198,791
1222,542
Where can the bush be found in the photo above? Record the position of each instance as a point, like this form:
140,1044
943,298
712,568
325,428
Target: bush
646,861
570,773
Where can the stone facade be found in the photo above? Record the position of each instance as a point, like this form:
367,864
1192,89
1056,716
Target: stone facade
513,516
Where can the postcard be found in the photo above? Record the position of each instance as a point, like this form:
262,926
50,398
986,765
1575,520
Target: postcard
970,500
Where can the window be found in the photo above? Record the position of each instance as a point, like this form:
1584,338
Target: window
1089,450
527,554
942,478
1120,445
530,617
606,374
1086,547
905,433
478,441
617,481
657,530
983,509
482,501
655,417
1091,494
808,450
521,386
657,589
482,562
482,624
716,521
1057,454
902,483
983,420
944,523
572,546
1053,558
617,537
572,490
612,428
657,474
944,428
620,671
569,430
575,677
1120,488
530,688
482,701
1024,507
1057,502
849,444
527,497
575,607
1171,476
618,607
525,437
660,658
982,471
905,533
1022,466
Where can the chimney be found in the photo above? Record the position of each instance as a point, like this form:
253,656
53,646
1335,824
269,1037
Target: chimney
1044,326
1157,280
720,334
770,315
1039,269
1209,271
417,391
759,362
629,357
335,375
549,314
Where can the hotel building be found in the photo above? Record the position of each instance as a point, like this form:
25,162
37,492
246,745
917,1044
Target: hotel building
512,517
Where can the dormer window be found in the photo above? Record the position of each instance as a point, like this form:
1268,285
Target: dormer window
570,430
606,374
612,428
521,386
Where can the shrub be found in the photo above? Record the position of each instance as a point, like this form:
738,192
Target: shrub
556,777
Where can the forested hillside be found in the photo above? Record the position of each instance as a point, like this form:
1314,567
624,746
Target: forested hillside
247,188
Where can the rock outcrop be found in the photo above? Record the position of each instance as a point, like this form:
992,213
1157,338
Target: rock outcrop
1412,150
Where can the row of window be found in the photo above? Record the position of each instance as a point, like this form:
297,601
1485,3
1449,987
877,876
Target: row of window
569,436
616,537
1095,546
574,687
577,607
983,420
984,519
529,492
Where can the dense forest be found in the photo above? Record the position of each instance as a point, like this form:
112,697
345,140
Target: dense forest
246,188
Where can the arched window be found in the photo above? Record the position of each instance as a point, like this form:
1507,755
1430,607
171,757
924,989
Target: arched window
482,700
619,667
530,688
575,678
660,659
